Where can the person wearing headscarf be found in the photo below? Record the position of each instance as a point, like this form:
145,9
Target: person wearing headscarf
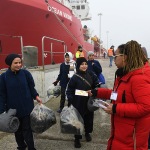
67,69
17,92
83,80
130,99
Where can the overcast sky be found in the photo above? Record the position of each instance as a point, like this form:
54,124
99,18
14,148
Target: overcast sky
123,19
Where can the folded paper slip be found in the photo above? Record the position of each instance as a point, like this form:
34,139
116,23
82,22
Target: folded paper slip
81,93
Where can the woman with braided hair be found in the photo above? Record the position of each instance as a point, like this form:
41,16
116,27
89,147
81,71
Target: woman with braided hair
130,99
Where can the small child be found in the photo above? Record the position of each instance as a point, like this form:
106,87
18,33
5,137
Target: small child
67,69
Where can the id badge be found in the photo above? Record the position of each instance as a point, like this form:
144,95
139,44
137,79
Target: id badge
114,96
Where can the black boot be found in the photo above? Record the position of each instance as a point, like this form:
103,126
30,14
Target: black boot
77,143
88,137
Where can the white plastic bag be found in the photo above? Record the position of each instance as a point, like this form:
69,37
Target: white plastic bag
71,121
54,91
94,104
42,118
100,103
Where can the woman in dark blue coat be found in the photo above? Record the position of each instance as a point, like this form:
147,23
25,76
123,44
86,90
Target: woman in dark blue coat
77,82
17,92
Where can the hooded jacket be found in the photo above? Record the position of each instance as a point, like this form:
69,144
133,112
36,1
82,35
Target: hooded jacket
131,122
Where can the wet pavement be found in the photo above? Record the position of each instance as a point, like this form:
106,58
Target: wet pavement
53,139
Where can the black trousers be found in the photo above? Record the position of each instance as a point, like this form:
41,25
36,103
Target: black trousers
24,136
88,124
63,97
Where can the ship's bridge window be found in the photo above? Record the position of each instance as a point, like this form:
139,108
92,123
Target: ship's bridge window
78,7
82,6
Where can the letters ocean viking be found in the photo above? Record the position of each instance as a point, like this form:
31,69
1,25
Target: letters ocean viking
59,12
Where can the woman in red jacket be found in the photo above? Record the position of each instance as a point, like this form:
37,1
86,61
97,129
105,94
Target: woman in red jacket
130,99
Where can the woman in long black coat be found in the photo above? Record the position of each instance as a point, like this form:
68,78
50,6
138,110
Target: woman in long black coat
82,80
17,91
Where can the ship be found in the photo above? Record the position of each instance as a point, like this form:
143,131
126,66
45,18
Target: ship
41,31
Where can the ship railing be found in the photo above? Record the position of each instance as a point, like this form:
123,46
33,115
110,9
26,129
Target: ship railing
51,50
21,44
13,36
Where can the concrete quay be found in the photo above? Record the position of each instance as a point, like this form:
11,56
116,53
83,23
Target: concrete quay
53,139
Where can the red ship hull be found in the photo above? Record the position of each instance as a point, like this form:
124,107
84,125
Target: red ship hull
25,23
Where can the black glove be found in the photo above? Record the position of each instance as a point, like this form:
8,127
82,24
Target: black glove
98,85
94,92
55,83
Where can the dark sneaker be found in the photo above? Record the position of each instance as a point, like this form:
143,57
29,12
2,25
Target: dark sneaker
22,147
88,137
59,110
77,143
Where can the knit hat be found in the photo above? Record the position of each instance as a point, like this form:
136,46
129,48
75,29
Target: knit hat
79,47
9,59
80,61
90,53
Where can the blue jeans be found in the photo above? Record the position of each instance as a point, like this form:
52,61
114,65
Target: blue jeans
111,60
